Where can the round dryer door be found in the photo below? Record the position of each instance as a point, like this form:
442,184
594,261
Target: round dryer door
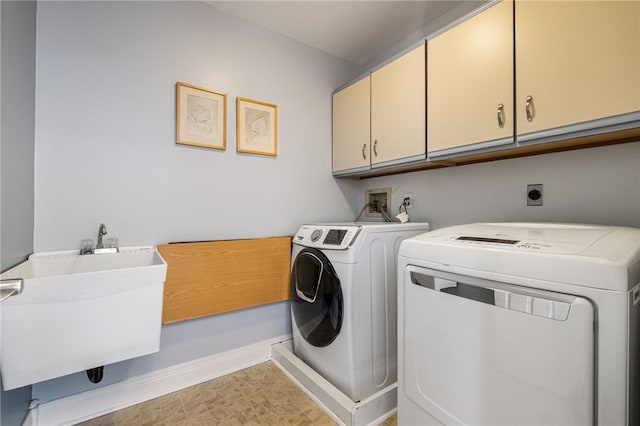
316,297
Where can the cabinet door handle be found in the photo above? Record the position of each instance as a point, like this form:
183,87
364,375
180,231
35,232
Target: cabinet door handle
364,155
530,109
501,116
375,147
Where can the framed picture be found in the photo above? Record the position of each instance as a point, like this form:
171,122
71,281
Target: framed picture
201,116
257,127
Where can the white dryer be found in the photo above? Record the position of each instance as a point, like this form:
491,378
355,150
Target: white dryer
343,308
514,324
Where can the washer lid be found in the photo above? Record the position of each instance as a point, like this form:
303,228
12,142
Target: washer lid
596,256
331,237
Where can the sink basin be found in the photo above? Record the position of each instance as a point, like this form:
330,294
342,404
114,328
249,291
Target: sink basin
80,312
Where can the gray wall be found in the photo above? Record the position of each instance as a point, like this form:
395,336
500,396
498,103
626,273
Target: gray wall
105,129
17,117
106,151
595,185
17,132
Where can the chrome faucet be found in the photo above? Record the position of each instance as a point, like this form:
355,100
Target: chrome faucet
101,231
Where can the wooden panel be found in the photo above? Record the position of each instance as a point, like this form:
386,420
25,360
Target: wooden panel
206,278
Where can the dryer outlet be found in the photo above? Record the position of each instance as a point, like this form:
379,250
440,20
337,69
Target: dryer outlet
534,194
377,200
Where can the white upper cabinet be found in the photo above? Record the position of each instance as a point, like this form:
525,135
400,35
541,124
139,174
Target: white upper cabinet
516,78
398,109
379,121
352,127
470,83
576,70
576,61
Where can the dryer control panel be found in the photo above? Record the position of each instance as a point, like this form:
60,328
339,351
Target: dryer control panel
552,239
331,237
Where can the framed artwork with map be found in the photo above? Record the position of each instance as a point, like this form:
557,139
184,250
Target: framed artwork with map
201,116
257,127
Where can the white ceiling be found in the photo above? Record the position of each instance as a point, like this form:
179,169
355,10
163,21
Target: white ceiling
356,31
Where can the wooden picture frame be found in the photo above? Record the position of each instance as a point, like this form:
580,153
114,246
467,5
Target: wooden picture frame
257,127
201,116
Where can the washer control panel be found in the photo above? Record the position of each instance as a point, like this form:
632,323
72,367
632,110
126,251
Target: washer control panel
332,237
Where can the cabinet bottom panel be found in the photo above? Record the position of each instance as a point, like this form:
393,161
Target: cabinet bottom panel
471,148
615,123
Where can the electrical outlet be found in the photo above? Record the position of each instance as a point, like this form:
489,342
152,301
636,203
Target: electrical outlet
378,201
407,199
534,194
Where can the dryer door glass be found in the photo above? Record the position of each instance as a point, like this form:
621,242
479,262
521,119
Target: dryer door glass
316,298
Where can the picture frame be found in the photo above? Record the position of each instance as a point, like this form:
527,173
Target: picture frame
201,116
257,127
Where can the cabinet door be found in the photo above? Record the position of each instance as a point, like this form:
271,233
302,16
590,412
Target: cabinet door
470,83
398,106
577,60
352,127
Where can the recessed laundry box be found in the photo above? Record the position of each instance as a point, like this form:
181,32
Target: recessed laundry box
77,313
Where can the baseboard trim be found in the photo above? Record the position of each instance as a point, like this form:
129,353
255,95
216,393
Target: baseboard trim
97,402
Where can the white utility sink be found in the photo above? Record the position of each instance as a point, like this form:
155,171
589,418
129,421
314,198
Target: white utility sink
77,312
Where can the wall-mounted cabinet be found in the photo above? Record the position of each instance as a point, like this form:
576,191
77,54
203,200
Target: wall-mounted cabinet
352,127
398,110
379,121
470,84
517,78
577,66
576,71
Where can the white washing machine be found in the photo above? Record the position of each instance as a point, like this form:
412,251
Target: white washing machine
514,324
343,308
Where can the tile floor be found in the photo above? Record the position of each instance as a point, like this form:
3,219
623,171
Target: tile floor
259,395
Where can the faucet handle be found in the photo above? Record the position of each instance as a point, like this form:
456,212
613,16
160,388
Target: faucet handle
111,243
86,246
